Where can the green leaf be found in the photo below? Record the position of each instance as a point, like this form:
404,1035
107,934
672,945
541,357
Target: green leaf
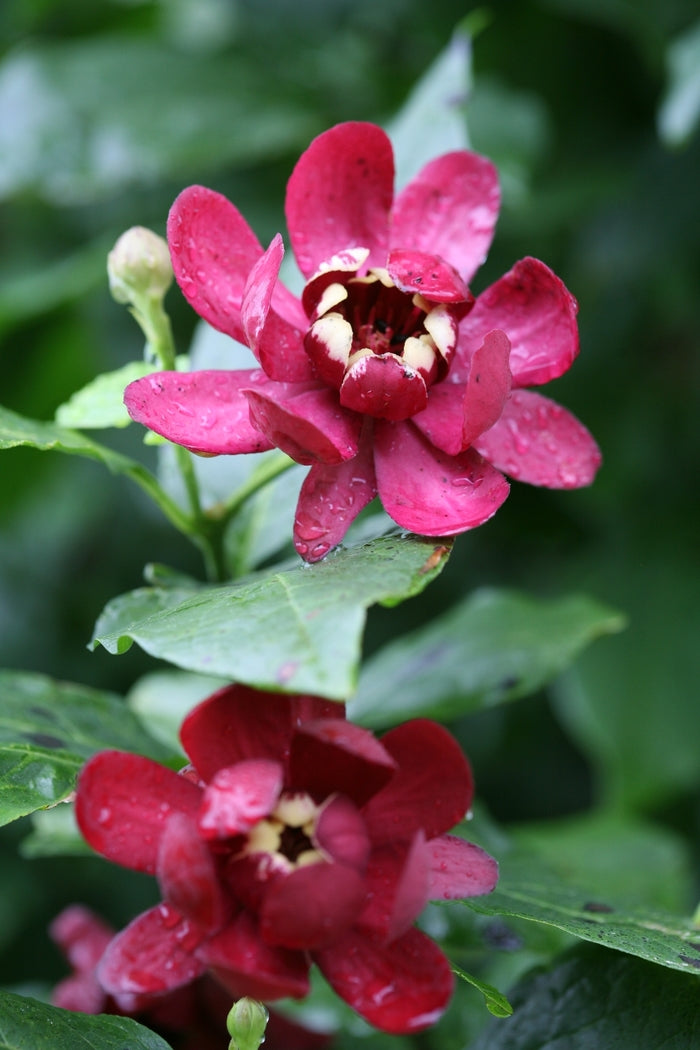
26,1024
296,629
48,729
593,1000
680,110
494,646
101,402
496,1002
529,889
87,118
54,833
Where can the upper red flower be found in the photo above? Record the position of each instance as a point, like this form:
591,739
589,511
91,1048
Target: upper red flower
294,837
387,377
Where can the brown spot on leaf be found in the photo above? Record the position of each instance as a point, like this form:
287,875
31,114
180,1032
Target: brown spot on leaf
597,907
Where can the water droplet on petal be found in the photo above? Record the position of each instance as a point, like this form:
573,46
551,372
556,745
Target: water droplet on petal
303,549
104,817
320,550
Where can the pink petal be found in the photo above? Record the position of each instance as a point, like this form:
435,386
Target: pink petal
399,988
332,755
153,954
384,386
341,833
124,802
312,906
81,935
537,313
459,869
187,875
213,250
539,442
246,965
330,499
237,723
339,195
428,275
430,792
306,423
397,881
450,209
457,413
277,344
82,993
237,797
431,493
203,411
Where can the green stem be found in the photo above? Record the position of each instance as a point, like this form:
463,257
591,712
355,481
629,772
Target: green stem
269,469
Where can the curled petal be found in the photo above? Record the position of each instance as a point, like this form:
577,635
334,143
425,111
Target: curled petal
399,988
426,274
332,755
239,796
339,195
334,271
213,250
539,442
312,906
306,423
331,497
205,412
459,869
341,833
246,965
450,209
277,344
187,875
155,953
429,492
537,313
383,386
397,881
430,792
237,723
124,802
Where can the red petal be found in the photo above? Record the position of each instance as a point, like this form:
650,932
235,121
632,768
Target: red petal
187,875
330,499
312,906
246,965
213,250
537,313
341,833
432,789
238,723
153,954
383,386
81,935
431,493
82,993
239,796
124,802
397,880
449,209
442,420
277,344
422,272
203,411
332,755
308,424
459,869
399,988
538,441
339,195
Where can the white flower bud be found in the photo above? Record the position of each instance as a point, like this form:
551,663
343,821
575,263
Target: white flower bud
139,266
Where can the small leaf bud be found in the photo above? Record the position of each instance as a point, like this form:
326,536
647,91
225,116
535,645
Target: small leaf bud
246,1023
139,266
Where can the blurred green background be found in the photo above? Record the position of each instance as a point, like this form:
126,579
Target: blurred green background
589,107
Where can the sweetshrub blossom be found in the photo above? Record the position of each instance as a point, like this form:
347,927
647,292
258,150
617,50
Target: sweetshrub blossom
295,837
387,377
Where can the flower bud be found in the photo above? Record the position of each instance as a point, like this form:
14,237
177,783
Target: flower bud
139,266
246,1023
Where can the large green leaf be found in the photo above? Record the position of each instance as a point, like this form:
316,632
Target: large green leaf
48,729
492,647
593,1000
26,1024
297,629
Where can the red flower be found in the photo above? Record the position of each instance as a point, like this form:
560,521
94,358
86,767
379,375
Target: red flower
387,377
294,837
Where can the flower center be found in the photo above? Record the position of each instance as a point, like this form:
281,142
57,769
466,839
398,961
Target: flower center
379,346
287,834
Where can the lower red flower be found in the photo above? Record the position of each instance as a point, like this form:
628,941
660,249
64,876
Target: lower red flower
295,837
